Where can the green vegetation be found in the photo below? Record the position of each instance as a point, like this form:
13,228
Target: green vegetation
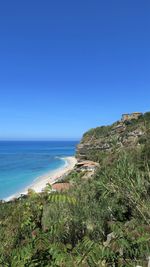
97,132
103,221
100,142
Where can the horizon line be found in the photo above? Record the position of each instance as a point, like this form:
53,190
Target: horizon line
37,140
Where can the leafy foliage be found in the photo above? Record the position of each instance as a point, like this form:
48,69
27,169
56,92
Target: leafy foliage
103,221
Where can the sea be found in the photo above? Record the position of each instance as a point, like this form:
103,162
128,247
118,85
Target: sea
21,162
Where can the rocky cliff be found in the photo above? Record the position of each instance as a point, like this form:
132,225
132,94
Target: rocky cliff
123,133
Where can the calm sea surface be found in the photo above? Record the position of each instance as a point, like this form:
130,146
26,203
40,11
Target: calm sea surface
22,162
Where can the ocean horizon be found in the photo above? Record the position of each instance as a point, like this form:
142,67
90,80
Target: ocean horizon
22,162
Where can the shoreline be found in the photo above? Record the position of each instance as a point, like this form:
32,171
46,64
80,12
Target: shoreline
51,177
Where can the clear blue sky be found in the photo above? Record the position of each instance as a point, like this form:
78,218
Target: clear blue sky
67,66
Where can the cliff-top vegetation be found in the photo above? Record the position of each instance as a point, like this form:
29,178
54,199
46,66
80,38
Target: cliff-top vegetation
101,221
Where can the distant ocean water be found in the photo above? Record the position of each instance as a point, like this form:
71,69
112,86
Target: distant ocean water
21,162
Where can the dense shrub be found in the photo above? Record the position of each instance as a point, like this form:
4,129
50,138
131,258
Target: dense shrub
102,221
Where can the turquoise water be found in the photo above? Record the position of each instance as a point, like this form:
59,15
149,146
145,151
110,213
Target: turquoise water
22,162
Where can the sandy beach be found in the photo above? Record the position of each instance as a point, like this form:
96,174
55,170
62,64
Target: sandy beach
51,177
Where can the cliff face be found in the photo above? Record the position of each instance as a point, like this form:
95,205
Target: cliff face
123,133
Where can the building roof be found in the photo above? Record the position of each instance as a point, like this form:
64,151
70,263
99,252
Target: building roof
61,186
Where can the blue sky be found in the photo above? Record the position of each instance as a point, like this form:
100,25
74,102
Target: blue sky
67,66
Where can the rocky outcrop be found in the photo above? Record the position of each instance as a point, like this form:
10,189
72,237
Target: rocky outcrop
134,115
103,139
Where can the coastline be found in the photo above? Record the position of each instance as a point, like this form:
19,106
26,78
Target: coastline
51,177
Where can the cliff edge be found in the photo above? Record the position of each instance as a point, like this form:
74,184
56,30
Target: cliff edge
130,131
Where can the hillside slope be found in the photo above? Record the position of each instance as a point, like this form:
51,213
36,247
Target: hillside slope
103,220
126,133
